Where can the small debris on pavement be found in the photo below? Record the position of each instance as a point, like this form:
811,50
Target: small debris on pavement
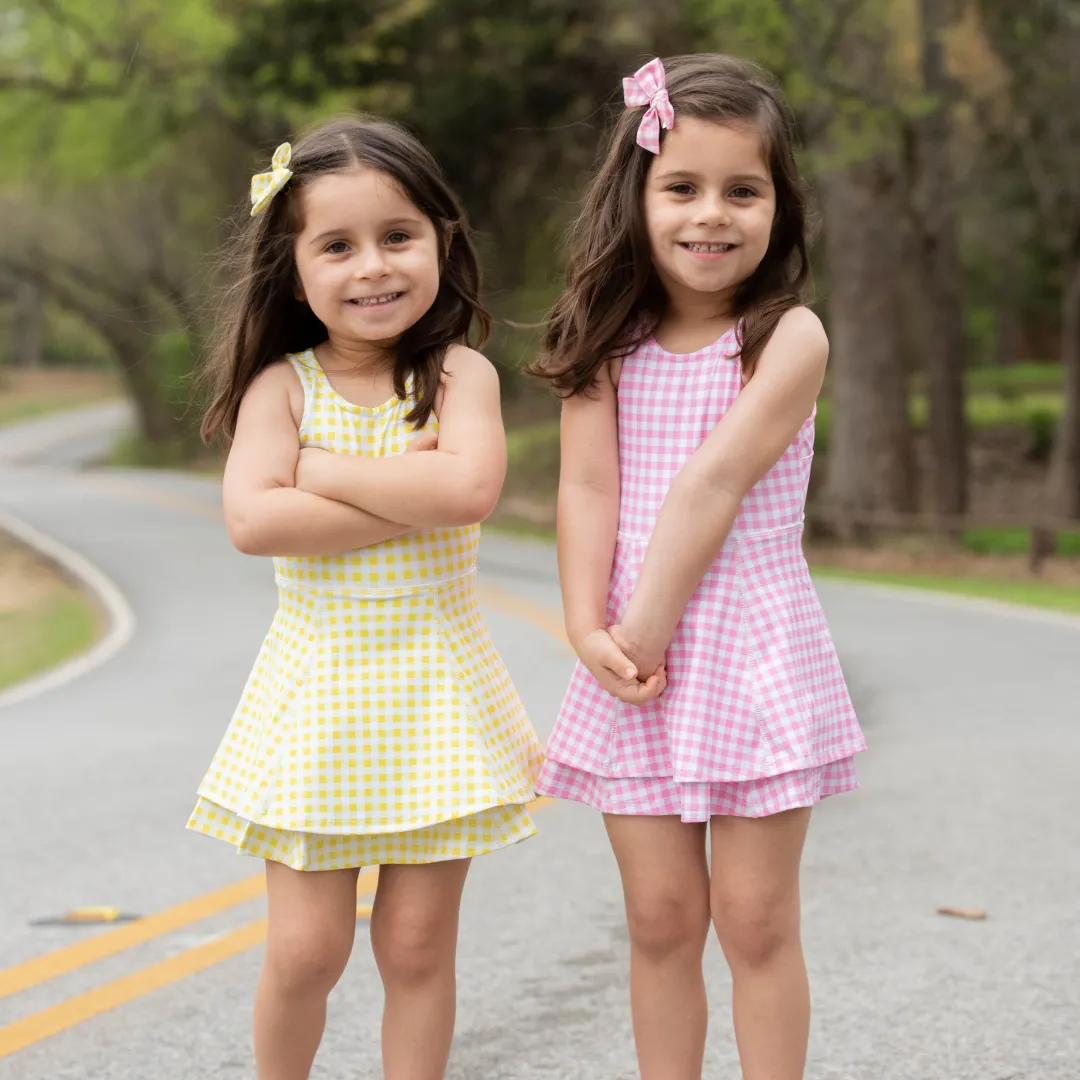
86,916
962,912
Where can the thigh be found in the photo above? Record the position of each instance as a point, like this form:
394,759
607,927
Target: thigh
757,859
422,893
312,905
659,857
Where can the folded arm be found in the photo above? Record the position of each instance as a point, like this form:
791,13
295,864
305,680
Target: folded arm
704,498
458,483
264,512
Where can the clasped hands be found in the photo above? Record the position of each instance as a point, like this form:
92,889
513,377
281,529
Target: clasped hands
626,666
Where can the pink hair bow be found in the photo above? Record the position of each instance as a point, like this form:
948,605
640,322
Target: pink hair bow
648,87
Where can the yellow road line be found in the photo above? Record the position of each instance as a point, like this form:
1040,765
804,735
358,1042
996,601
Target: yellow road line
102,999
529,611
51,1021
48,1022
61,961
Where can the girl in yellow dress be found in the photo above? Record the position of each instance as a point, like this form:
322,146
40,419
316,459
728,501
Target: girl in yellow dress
379,725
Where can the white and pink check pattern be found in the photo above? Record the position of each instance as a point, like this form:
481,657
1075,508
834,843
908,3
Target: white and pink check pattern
648,86
756,717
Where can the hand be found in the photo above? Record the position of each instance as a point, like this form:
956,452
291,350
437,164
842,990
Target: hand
309,467
643,657
615,672
426,440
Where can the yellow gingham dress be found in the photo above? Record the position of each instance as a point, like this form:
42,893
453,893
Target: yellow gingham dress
379,724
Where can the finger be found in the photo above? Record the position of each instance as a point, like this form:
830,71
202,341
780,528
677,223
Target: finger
617,662
632,692
655,687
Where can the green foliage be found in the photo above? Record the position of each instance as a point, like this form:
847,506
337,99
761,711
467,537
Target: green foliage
1032,593
533,458
1042,429
1016,378
1001,541
175,104
60,627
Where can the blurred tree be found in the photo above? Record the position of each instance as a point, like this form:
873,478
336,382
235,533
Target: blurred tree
846,84
1038,42
939,307
29,324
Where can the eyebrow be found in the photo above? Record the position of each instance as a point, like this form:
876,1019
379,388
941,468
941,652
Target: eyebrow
392,223
686,174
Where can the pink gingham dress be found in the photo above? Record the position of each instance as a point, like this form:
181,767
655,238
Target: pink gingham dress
756,717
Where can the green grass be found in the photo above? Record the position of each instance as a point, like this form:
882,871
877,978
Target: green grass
532,454
1030,593
25,395
1002,541
1016,378
13,411
41,637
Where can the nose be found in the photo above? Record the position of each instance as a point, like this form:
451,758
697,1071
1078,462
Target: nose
712,210
370,262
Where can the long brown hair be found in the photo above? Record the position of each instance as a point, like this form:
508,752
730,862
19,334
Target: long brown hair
261,319
613,299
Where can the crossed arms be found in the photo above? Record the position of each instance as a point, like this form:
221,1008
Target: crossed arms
282,500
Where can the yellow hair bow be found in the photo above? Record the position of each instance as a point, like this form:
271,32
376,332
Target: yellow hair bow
264,186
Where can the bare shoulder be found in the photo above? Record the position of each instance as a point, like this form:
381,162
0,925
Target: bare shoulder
277,382
466,363
799,338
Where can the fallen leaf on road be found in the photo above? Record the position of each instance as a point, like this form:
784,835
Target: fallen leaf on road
962,912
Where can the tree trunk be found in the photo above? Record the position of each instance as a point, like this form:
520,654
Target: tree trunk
1064,481
1007,334
941,314
30,323
158,421
871,461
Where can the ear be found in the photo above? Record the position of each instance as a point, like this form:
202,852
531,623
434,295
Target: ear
448,238
298,290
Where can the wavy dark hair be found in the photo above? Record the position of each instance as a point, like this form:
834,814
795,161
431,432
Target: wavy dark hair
261,319
613,299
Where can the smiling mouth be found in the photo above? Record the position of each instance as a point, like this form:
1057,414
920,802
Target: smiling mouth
376,301
707,249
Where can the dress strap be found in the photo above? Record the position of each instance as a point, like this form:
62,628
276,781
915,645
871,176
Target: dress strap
308,374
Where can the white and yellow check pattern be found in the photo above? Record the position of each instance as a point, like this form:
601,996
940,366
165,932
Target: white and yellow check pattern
379,724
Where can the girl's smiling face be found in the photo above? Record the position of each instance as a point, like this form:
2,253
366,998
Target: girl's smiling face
709,206
367,258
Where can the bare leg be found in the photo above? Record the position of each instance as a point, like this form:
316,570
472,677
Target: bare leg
312,920
666,885
755,908
414,927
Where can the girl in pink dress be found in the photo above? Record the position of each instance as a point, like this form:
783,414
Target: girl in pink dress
707,713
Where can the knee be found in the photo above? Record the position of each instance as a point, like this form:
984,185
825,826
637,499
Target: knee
753,928
411,948
308,959
665,923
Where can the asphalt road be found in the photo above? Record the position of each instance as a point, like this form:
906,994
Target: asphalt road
970,797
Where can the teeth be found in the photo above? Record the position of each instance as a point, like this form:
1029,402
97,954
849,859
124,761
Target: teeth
710,249
374,301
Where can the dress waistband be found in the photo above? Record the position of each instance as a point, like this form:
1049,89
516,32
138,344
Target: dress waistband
736,534
380,592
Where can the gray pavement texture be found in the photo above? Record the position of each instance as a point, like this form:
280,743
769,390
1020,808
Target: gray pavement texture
970,797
